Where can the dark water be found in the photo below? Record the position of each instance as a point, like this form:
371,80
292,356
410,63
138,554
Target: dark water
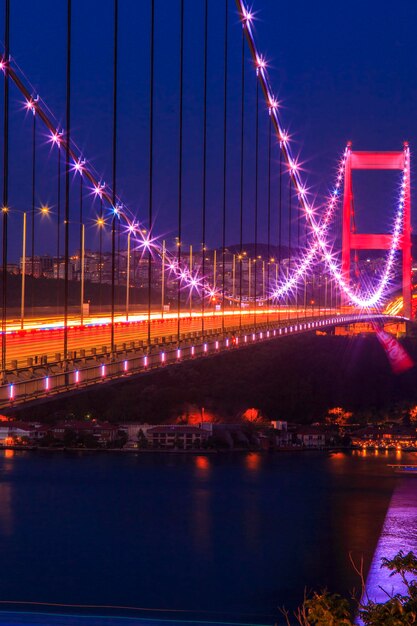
217,538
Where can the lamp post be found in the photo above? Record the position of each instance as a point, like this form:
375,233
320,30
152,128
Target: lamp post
82,254
22,301
191,271
163,279
128,273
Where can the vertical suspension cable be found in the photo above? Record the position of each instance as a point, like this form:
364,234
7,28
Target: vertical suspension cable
151,129
81,240
32,291
280,226
269,216
299,213
226,27
256,196
5,183
289,238
58,225
242,148
203,225
100,252
114,171
67,178
179,243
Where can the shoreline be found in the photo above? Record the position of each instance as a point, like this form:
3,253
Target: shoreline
175,451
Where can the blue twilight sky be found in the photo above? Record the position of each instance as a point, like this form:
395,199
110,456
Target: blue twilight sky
341,71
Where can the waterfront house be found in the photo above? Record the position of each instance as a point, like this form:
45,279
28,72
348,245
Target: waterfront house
176,437
311,437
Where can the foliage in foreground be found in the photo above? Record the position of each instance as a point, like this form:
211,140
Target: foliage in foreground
326,609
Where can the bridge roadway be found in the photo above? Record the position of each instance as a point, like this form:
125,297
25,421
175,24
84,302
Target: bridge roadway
42,338
38,383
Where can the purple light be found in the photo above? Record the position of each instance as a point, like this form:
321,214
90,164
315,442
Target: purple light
125,365
145,361
11,391
178,353
192,350
205,347
103,369
163,357
55,138
47,383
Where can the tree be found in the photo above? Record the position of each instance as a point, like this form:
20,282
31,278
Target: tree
326,609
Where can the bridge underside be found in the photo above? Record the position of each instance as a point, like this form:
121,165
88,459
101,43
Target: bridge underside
38,383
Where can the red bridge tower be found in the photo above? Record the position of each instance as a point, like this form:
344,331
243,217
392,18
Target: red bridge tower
355,241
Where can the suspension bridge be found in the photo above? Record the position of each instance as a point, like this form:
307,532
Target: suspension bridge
94,289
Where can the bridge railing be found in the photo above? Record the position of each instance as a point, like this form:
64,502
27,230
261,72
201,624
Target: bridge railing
49,381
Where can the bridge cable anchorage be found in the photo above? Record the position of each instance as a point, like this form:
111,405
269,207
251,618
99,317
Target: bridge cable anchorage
321,243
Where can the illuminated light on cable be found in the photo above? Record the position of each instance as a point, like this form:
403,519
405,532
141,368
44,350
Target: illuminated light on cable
47,383
192,350
30,106
2,65
44,209
55,138
205,347
217,345
273,103
247,15
100,221
162,357
79,166
98,190
178,353
125,365
145,361
103,369
11,391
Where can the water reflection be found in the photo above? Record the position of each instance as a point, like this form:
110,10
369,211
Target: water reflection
253,461
202,464
6,512
6,517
